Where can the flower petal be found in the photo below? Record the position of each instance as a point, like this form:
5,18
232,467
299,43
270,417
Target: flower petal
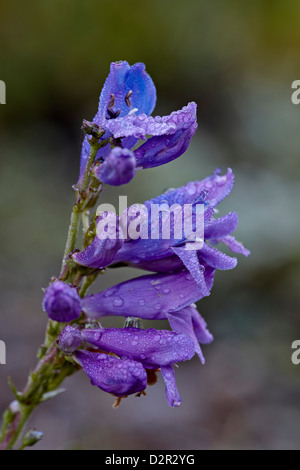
215,188
222,227
188,321
120,377
151,296
153,348
216,259
122,80
162,149
172,394
234,245
191,262
141,125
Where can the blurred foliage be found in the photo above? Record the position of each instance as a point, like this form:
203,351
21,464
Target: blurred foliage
237,60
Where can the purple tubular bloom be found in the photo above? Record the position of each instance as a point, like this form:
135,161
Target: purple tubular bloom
151,296
108,241
136,349
126,102
118,167
152,348
61,302
171,254
121,80
120,377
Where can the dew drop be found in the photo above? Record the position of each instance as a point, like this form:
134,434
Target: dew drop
110,292
141,302
166,291
118,302
157,306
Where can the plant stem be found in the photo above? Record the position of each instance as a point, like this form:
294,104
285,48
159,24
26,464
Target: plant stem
47,376
53,367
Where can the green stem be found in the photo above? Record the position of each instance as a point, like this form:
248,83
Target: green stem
53,367
51,370
71,239
79,207
88,281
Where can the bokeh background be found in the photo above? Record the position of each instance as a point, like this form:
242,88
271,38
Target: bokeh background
237,60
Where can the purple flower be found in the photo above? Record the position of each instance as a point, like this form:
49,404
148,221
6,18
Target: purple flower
152,296
121,377
118,167
126,102
151,349
61,302
170,254
158,297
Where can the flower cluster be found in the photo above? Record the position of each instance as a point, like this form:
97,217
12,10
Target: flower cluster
123,361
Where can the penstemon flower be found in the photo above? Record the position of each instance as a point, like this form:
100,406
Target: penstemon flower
121,139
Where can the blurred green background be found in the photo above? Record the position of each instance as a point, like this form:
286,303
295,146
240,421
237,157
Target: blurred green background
237,60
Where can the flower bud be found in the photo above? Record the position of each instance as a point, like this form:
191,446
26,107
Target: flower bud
61,302
118,167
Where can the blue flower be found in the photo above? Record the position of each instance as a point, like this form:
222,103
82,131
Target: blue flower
158,297
126,102
137,350
170,254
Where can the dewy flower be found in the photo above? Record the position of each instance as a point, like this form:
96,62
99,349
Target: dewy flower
158,297
171,254
61,302
121,377
118,167
126,102
153,349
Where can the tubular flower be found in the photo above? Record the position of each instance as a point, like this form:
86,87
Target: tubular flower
137,350
154,251
158,297
126,102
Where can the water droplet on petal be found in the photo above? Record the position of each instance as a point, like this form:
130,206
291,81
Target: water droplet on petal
110,292
118,302
142,302
154,282
166,291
